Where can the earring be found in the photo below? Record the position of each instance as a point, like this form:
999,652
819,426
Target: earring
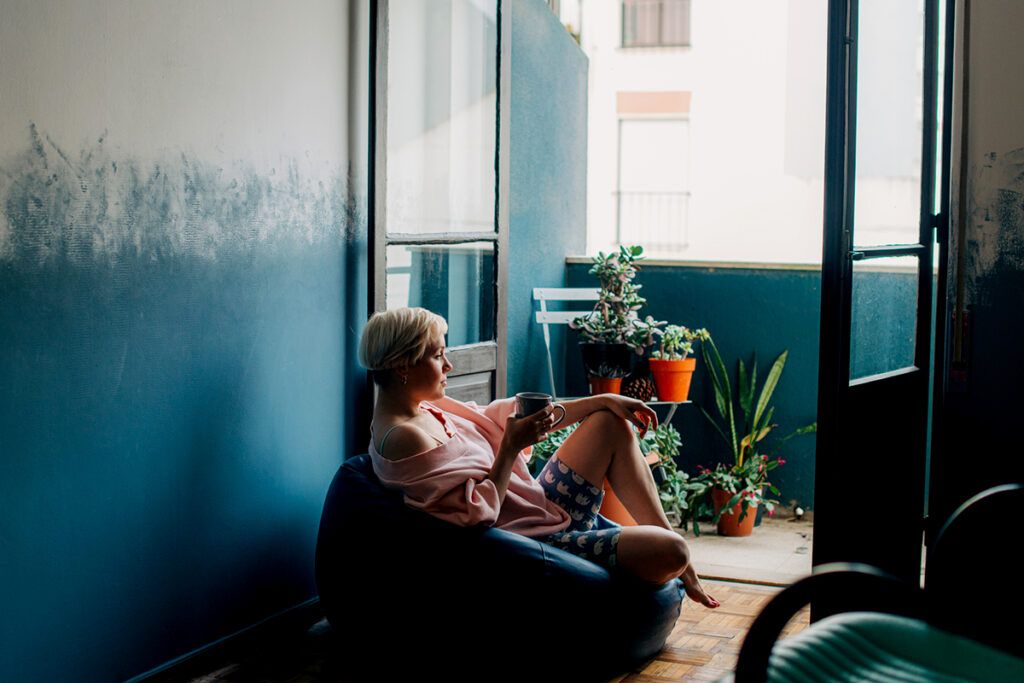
405,379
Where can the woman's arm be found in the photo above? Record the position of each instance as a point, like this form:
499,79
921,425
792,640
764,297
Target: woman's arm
637,412
520,432
578,408
501,470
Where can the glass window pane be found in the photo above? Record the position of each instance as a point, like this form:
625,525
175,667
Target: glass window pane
883,323
454,281
441,115
890,81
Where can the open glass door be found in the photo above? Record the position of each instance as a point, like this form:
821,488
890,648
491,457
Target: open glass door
877,284
438,203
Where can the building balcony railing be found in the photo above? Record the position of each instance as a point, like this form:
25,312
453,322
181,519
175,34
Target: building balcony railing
657,220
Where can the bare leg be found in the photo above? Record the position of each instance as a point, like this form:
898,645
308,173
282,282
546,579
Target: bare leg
604,447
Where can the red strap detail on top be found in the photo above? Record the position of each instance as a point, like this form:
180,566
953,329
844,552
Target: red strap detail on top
439,414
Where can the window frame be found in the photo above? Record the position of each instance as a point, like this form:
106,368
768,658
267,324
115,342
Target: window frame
480,361
660,42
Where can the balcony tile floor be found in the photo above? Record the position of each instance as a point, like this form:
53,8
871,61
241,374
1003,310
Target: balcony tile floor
776,554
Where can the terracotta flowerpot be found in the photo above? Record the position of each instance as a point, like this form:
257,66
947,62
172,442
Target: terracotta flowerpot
612,507
672,378
605,385
729,524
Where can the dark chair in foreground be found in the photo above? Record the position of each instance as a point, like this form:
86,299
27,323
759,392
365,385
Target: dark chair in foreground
410,595
962,626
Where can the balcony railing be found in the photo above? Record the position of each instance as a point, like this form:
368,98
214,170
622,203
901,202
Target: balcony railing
652,23
657,220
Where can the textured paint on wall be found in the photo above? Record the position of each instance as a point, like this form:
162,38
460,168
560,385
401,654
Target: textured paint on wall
995,241
97,205
182,279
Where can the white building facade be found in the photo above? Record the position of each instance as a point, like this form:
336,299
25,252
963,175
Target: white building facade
706,126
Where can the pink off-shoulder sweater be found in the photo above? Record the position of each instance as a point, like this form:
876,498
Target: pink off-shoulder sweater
449,481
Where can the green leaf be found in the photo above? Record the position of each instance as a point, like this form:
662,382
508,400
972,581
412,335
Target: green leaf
806,429
769,385
711,362
749,421
723,391
743,510
746,391
715,425
765,426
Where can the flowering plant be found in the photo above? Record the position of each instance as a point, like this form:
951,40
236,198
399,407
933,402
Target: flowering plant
747,477
747,483
677,342
614,319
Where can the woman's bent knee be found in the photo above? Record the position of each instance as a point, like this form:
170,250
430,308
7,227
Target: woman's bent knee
678,554
607,420
654,554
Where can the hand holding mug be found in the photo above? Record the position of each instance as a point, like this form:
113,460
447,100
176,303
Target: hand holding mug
535,416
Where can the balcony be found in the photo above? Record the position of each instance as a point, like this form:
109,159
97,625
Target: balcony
657,220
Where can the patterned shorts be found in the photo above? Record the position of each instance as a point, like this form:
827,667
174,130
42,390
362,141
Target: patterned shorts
589,535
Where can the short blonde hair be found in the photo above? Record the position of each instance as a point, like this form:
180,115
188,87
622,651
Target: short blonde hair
398,338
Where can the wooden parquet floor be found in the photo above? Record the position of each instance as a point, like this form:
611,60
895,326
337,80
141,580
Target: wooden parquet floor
705,643
702,647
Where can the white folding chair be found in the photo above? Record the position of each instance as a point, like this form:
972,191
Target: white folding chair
546,317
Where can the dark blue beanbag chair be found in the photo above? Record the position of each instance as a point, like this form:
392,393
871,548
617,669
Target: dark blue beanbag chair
409,595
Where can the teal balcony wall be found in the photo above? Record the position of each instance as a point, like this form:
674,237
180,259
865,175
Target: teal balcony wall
764,311
747,311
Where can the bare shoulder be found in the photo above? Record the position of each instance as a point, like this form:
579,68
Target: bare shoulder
406,440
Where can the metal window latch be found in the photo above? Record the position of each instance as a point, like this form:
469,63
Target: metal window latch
856,255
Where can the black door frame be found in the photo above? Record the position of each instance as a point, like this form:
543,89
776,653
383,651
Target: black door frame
853,415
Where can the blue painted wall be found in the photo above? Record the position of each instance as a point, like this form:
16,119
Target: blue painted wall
182,290
178,302
548,180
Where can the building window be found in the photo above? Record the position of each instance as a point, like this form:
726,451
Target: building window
653,196
650,23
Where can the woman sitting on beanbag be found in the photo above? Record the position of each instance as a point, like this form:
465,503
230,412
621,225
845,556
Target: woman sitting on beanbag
468,464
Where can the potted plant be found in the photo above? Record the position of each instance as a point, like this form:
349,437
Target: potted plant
739,488
613,332
670,364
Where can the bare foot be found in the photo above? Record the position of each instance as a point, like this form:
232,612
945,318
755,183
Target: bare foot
694,591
